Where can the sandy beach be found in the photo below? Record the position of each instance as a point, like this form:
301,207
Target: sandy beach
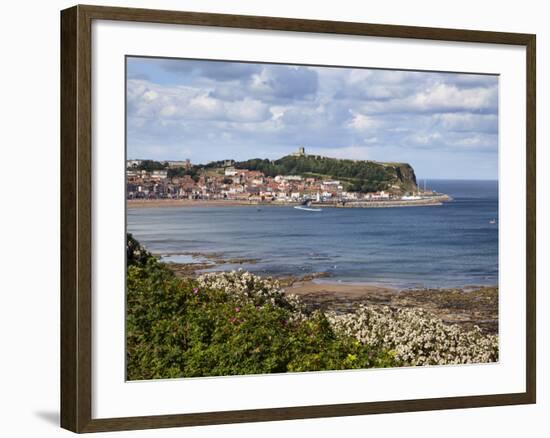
347,290
155,203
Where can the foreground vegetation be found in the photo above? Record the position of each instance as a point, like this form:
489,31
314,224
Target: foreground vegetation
236,323
232,325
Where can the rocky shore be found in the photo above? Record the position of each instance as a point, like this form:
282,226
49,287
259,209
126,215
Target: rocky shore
211,261
204,261
466,307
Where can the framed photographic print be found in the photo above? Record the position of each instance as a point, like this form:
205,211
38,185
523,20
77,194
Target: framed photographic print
269,218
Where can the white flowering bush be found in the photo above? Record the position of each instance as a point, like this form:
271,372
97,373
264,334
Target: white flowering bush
252,289
415,336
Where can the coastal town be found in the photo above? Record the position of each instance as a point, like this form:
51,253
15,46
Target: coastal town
179,180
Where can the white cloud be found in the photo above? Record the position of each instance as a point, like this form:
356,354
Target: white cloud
443,96
468,122
361,122
349,152
426,138
158,102
281,82
150,95
247,110
225,109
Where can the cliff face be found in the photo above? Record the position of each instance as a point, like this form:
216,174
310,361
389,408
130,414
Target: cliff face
404,174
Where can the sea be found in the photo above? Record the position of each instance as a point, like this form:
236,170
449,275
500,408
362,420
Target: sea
451,245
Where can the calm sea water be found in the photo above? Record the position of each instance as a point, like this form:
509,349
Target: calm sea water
452,245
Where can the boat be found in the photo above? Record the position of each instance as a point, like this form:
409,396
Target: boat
493,221
299,207
306,206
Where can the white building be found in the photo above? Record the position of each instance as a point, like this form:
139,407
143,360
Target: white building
293,178
130,164
331,184
159,174
301,152
175,164
350,195
378,196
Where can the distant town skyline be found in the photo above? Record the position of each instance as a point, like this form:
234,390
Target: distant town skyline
444,124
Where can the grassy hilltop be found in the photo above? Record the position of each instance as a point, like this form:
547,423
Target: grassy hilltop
363,176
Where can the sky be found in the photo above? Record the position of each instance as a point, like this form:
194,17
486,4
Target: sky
444,124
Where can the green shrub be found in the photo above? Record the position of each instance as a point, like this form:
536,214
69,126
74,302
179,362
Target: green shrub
178,328
135,253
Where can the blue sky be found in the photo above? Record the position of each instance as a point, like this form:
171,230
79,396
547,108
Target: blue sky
444,124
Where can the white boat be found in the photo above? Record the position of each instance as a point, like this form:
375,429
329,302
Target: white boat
299,207
306,206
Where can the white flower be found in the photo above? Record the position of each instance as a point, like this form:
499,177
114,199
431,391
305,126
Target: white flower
416,337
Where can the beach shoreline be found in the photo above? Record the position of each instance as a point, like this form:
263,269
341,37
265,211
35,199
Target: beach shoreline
468,306
158,203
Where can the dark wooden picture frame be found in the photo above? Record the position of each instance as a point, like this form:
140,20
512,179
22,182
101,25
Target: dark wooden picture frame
76,218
